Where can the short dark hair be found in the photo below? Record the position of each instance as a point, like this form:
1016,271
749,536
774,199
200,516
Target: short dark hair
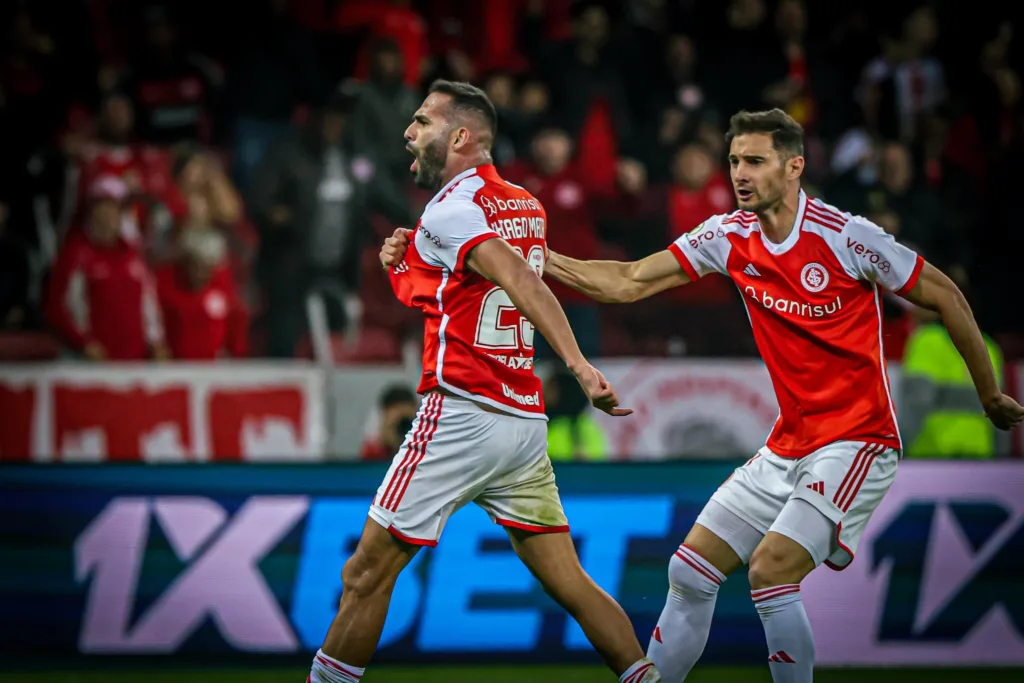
396,394
468,98
787,134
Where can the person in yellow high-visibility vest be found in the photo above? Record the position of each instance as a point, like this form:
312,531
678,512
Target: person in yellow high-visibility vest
940,414
573,432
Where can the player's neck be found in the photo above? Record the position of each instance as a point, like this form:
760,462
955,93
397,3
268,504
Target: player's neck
463,164
777,221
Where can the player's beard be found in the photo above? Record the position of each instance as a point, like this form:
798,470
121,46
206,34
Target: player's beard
430,164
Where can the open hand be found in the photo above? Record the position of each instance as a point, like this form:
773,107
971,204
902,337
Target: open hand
393,251
601,394
1004,412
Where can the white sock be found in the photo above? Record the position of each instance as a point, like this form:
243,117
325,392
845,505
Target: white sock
682,630
788,632
642,671
327,669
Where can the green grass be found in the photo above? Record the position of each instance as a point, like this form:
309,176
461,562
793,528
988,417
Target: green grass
579,674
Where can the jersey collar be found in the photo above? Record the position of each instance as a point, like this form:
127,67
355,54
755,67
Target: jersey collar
485,171
794,235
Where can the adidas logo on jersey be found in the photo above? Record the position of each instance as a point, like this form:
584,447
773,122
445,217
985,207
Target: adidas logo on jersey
751,270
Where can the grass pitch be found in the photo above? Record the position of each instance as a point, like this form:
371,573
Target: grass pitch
510,674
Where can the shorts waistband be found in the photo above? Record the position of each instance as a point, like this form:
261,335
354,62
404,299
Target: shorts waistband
450,398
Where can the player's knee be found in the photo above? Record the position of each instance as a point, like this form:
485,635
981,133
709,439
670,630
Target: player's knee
361,577
686,580
770,566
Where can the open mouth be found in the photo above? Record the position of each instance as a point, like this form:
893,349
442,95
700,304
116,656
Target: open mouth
415,161
745,195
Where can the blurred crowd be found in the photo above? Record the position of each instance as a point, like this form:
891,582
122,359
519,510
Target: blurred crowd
200,180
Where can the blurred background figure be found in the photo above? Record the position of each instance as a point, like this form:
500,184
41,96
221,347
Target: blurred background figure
102,302
383,109
310,200
940,414
203,315
15,274
573,431
397,408
554,178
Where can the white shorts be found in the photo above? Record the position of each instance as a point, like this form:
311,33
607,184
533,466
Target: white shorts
457,452
844,481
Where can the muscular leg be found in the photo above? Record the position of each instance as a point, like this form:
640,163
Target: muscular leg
695,572
552,559
777,567
368,579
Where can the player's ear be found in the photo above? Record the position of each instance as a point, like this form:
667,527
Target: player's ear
795,167
461,137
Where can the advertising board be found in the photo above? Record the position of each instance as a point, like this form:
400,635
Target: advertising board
227,560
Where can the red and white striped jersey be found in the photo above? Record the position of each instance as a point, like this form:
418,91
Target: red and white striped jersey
815,309
476,344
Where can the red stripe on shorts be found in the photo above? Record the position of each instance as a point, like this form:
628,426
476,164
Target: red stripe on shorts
410,451
406,476
858,481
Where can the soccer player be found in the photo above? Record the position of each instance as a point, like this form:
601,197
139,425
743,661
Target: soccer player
810,275
474,267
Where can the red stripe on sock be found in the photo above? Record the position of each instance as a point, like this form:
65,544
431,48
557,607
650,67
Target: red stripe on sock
777,592
638,675
698,568
338,667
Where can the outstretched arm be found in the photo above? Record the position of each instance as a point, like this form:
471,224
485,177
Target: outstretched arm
938,293
617,281
495,260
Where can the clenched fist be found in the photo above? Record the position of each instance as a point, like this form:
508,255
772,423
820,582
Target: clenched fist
393,251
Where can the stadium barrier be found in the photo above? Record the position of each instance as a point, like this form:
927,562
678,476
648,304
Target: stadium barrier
263,411
222,561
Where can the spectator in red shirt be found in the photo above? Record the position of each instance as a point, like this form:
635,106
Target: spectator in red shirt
202,311
101,300
699,189
554,180
146,171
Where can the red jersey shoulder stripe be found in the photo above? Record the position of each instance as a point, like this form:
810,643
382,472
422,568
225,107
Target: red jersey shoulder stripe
824,216
742,218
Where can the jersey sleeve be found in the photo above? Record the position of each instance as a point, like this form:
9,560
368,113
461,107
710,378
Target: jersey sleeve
449,230
703,250
874,255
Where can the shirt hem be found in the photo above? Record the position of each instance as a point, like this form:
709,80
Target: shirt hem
493,403
798,453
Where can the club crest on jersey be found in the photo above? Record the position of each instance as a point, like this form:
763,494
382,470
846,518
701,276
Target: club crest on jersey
814,277
489,205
